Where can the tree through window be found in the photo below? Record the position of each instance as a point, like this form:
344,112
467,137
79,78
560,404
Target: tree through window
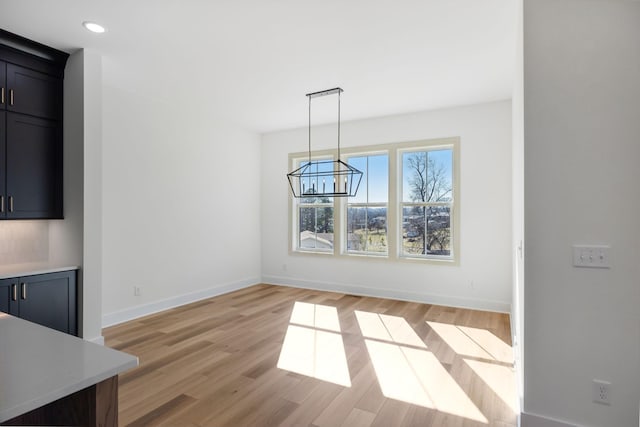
427,201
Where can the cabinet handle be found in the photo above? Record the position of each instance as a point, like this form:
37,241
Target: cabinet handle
2,96
23,290
1,204
14,292
10,203
10,96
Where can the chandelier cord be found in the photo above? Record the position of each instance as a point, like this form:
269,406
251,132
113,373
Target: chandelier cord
338,125
309,128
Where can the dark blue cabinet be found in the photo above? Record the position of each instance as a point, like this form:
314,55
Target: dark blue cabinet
3,86
33,93
47,299
8,294
33,175
3,175
31,139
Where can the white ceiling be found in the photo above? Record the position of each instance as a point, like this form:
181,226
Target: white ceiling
252,61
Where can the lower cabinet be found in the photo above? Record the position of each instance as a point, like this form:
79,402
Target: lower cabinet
6,289
47,299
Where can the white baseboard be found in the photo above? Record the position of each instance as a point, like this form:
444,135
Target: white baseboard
533,420
476,304
131,313
96,340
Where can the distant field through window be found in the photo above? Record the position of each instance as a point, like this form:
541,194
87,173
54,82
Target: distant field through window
315,219
367,211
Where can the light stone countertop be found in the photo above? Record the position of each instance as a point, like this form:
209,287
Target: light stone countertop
39,365
28,269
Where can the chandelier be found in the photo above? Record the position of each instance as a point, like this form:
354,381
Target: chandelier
324,178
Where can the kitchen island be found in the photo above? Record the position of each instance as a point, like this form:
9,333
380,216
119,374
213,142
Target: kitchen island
51,378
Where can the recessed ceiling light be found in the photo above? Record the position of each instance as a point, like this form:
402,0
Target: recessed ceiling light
93,27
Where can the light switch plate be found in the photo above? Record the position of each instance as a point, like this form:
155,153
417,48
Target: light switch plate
591,256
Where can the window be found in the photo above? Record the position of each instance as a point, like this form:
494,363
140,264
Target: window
367,211
427,200
315,218
406,207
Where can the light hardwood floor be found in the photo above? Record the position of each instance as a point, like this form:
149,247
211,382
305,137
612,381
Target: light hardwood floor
272,355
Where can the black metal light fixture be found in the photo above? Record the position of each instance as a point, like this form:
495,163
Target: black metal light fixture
324,178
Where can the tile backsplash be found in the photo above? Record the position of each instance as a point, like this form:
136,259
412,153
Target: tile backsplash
24,241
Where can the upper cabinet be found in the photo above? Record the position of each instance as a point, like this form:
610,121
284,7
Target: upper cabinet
33,93
34,167
31,145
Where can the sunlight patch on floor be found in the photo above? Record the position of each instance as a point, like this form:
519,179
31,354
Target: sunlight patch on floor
498,349
397,377
312,348
473,342
388,328
407,371
501,379
315,316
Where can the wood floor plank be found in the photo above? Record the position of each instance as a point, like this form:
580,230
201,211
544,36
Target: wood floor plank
418,416
257,403
163,389
372,400
358,418
176,404
313,405
344,403
215,363
391,413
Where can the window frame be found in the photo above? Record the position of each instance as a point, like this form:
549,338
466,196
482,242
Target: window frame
344,211
295,205
402,204
394,204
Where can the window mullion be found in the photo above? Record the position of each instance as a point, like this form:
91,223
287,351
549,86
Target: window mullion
394,227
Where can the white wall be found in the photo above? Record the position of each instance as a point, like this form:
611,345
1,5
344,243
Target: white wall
582,148
24,242
76,240
92,173
517,247
485,150
65,237
181,204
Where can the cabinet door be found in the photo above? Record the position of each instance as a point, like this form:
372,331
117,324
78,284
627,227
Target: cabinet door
49,300
3,170
34,93
3,85
34,167
9,296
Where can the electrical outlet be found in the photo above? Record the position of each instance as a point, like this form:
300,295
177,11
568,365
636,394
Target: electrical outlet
136,291
602,392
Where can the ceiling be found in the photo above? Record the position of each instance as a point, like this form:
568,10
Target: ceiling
252,61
